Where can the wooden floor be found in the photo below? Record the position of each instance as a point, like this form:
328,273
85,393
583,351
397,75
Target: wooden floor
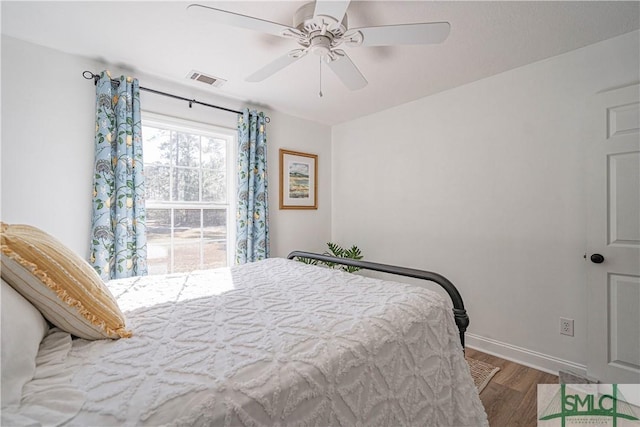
510,399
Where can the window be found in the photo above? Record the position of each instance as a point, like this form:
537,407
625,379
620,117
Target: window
189,192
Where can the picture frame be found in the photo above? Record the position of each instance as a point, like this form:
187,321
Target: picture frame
298,180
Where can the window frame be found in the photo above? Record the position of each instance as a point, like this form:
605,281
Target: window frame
206,129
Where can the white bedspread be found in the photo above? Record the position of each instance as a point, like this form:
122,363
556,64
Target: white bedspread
276,343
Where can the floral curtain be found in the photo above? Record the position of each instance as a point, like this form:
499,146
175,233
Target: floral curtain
118,231
252,225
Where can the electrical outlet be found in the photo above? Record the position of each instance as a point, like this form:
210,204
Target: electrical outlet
566,326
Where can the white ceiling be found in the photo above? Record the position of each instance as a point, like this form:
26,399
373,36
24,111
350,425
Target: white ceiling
161,39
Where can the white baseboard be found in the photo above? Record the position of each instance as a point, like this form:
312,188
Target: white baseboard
523,356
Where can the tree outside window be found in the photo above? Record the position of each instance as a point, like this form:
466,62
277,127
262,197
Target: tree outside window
187,178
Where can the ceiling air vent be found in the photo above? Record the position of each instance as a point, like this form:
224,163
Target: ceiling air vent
205,78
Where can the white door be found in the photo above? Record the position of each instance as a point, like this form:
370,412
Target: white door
613,189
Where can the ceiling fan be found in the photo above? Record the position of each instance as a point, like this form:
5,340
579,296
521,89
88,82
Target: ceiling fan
322,28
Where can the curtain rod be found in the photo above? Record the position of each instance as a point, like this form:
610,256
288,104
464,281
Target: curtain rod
95,77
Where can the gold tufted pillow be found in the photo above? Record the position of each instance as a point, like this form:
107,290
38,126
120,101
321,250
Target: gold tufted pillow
63,286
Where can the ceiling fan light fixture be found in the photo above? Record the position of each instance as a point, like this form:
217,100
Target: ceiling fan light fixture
320,45
321,27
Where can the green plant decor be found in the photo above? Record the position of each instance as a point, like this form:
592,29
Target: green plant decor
337,251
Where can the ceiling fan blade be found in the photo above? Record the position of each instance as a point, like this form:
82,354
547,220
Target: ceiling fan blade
334,8
425,33
347,71
238,20
277,65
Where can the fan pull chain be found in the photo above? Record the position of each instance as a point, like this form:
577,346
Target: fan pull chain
320,83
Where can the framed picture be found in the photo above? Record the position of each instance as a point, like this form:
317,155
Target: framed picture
298,180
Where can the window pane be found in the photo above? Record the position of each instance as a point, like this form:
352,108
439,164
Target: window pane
215,238
186,184
159,241
156,145
187,240
188,149
186,177
214,153
184,219
157,182
214,186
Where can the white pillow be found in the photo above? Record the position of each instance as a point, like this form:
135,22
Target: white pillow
23,327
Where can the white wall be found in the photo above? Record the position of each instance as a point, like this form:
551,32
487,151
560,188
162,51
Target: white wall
485,184
299,229
48,115
482,183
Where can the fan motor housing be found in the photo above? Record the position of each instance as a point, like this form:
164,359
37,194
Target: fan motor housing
320,45
304,21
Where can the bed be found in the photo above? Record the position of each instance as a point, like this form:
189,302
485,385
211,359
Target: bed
271,343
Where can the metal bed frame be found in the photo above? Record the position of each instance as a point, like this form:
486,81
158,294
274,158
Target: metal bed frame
459,312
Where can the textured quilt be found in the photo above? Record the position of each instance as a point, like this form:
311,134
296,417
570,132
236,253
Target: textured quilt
276,343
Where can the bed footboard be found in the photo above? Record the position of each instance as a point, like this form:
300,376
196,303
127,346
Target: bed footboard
459,312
